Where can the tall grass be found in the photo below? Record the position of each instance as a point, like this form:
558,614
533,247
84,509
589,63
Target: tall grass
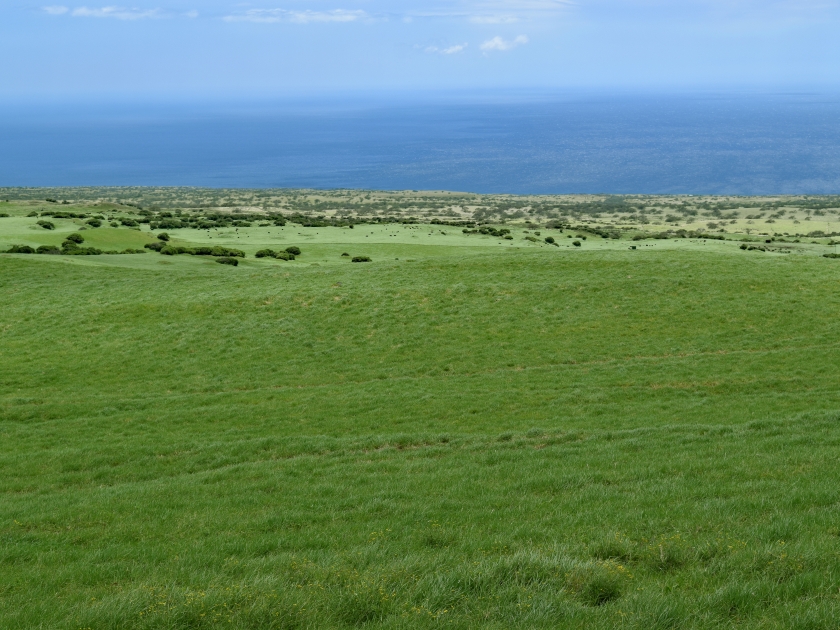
516,440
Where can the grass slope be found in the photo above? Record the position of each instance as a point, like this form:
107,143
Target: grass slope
487,436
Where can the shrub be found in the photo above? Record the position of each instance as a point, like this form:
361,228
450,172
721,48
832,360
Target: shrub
169,224
20,249
47,225
70,248
114,224
227,260
828,255
132,251
493,231
75,237
4,215
509,237
576,243
172,250
163,236
129,222
218,250
345,254
32,214
265,253
94,223
284,256
549,239
47,249
361,259
293,250
533,239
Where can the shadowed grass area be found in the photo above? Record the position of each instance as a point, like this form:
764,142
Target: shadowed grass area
514,439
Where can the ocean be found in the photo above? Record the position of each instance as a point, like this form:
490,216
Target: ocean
571,143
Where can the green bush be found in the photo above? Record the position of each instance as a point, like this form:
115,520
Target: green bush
75,237
4,215
533,239
94,223
549,239
576,243
218,250
270,253
47,225
163,236
293,250
48,249
20,249
129,222
345,254
227,260
114,224
32,214
172,250
824,255
361,259
70,248
491,231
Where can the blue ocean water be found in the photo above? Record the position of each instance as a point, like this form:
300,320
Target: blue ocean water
699,144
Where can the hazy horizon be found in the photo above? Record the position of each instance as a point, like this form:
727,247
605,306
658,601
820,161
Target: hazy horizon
215,49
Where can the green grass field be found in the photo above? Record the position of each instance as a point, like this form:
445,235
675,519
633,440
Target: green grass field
467,432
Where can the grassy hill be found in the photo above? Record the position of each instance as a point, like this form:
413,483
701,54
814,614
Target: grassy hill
469,431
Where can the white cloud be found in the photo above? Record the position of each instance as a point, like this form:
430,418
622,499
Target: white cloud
191,14
493,11
271,16
497,43
454,49
118,13
451,50
56,10
493,19
525,5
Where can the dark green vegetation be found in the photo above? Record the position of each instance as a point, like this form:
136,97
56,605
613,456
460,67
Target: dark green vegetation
498,435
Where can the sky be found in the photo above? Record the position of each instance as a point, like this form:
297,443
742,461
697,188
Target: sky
225,49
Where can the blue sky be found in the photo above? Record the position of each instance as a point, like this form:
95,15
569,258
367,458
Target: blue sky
216,48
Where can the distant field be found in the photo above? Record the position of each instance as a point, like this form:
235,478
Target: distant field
468,431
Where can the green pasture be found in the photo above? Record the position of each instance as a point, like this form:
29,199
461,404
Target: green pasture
467,432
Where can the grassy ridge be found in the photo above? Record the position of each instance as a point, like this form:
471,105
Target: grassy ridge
528,437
